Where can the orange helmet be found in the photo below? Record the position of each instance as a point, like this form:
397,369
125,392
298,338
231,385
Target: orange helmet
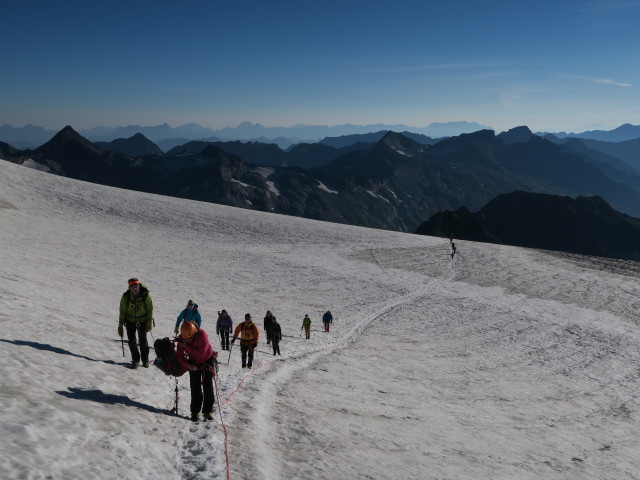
188,329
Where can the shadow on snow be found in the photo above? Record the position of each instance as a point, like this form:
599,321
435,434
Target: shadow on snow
108,398
61,351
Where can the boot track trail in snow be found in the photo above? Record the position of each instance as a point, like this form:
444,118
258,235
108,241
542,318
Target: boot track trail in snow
268,376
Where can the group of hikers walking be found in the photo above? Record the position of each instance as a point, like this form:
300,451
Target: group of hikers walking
193,350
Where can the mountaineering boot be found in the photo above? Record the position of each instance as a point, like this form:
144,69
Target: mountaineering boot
145,364
207,416
194,417
135,365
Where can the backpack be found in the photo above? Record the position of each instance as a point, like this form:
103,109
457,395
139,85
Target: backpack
167,360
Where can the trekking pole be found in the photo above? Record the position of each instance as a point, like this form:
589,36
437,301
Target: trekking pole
229,359
175,402
122,340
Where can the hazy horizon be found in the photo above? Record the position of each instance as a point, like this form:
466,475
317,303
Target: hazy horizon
566,68
300,125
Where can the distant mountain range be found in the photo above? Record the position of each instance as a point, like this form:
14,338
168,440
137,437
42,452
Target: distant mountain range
621,134
387,180
585,225
167,137
628,151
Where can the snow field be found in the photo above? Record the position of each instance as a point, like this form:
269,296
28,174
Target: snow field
505,363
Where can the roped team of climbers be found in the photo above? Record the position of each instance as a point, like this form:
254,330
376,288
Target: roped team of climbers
194,351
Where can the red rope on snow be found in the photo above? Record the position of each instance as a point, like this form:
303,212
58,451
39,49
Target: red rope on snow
220,405
246,376
224,428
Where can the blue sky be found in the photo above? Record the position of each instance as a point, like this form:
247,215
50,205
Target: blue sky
561,65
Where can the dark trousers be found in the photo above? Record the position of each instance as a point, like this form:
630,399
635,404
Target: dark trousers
201,384
141,328
326,326
246,351
275,343
224,340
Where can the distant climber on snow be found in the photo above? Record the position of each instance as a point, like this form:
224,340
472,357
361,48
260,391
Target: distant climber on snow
268,320
276,336
224,326
327,319
306,324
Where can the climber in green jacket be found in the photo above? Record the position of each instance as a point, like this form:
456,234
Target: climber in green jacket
136,312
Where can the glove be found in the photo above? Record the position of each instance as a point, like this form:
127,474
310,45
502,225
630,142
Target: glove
175,330
120,331
233,340
255,344
149,326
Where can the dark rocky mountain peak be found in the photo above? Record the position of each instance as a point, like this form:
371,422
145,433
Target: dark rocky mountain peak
474,140
479,149
214,152
227,164
516,135
477,137
400,143
137,145
68,139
